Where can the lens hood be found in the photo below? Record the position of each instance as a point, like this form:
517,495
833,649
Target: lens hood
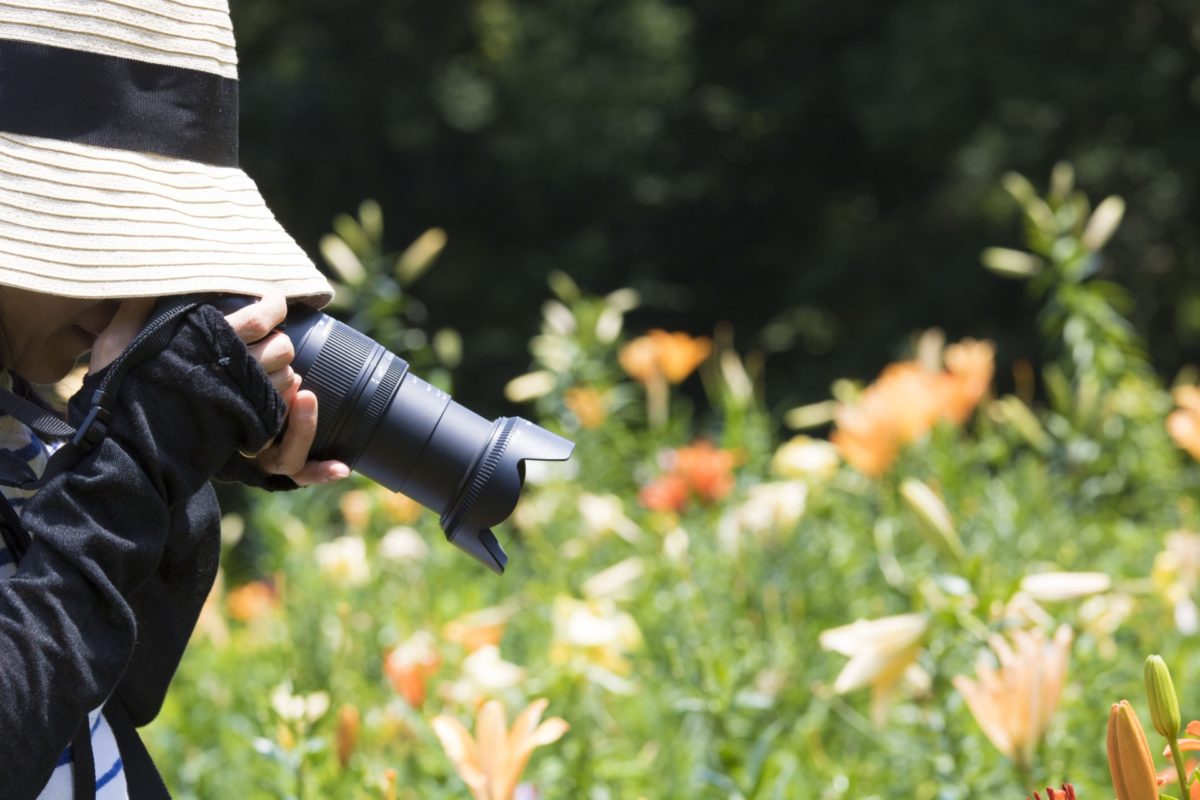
494,486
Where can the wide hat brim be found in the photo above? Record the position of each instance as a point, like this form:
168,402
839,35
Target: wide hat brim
80,220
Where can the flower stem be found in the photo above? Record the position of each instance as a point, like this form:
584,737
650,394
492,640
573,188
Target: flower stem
658,398
1024,770
1179,770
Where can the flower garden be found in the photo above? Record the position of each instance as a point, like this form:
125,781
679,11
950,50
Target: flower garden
921,587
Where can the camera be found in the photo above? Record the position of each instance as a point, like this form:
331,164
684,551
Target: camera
402,432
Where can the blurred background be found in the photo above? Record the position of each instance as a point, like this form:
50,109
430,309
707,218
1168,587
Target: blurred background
808,545
820,174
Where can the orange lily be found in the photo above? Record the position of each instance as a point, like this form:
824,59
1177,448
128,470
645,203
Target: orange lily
707,470
700,470
1188,745
907,400
410,666
478,628
679,354
671,356
660,359
665,493
639,359
1169,776
252,600
1184,423
969,365
587,404
1067,792
1129,759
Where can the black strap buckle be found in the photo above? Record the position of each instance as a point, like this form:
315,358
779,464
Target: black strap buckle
93,429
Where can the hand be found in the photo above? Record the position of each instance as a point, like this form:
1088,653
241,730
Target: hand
130,317
287,455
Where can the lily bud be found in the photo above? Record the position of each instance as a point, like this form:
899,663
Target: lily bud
1011,263
1129,759
349,720
934,518
1103,223
1164,703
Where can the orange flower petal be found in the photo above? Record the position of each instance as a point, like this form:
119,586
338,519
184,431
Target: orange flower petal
638,360
1129,759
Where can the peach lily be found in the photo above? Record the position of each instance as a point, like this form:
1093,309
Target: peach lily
491,762
1013,703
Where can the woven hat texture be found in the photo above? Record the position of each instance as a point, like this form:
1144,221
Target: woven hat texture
84,220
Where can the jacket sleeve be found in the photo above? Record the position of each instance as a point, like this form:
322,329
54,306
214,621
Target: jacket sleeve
67,629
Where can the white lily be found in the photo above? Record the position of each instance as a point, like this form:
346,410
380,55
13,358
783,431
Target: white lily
881,651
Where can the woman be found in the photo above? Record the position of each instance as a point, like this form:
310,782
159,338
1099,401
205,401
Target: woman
119,185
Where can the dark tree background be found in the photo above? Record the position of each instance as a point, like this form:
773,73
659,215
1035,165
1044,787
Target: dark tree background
822,174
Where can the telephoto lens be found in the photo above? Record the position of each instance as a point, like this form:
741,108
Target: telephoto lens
386,423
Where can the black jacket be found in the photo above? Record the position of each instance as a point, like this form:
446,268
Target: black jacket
125,546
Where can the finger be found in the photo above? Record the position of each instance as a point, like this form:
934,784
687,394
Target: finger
286,382
274,352
258,319
290,453
130,317
315,472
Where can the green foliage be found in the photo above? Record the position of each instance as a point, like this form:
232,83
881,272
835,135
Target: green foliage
728,687
374,288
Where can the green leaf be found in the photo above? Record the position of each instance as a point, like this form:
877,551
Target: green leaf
563,286
370,215
1062,181
419,256
447,344
342,260
348,228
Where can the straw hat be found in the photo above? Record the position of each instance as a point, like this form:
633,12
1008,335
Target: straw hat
118,156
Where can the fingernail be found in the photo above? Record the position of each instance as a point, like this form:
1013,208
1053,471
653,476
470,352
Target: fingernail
338,471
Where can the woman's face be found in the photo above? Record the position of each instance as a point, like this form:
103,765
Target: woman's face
44,335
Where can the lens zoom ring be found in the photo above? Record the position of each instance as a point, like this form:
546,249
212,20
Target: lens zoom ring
378,404
334,372
482,475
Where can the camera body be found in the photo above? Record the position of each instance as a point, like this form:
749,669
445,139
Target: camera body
388,424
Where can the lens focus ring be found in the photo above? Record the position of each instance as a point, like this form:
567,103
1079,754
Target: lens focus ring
337,368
